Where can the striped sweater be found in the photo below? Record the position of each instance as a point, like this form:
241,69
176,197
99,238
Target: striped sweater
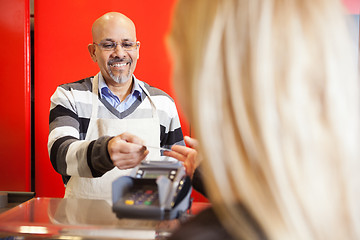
70,112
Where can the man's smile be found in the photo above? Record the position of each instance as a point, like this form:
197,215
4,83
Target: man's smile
118,64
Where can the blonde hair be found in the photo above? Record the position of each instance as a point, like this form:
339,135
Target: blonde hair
274,100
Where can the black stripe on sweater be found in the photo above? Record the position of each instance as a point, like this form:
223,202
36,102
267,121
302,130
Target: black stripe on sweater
171,137
89,162
84,125
60,111
54,151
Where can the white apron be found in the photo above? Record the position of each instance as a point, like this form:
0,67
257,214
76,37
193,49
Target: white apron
147,129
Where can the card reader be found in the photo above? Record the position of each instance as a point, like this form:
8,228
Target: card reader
155,190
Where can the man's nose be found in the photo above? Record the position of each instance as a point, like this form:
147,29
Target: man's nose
119,50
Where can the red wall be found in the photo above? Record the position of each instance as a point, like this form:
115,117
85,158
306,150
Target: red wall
15,96
62,33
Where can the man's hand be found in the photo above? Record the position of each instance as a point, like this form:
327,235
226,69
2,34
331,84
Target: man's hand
187,155
126,150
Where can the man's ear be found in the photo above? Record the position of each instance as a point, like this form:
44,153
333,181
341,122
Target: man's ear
138,49
91,48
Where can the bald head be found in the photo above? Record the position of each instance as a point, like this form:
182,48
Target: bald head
110,20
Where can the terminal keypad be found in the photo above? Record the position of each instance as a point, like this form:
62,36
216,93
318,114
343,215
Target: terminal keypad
142,197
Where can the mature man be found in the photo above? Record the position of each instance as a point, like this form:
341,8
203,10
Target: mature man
100,126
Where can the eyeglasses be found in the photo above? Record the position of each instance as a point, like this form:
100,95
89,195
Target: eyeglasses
111,45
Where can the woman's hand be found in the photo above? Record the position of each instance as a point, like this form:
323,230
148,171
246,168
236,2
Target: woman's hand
186,154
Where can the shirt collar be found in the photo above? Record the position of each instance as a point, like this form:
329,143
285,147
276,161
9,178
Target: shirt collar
136,89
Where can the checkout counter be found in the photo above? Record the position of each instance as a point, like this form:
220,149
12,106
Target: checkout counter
64,218
149,204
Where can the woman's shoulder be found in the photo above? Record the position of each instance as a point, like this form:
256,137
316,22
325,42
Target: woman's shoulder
207,226
204,226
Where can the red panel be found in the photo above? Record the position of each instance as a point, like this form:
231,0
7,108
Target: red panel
62,33
15,96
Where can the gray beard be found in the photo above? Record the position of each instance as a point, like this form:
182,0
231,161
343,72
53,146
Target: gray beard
120,79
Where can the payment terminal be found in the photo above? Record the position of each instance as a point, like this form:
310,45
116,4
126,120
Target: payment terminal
155,190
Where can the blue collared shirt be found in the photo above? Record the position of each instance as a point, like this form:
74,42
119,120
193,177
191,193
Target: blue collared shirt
109,96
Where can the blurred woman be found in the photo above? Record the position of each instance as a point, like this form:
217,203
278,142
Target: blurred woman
271,88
